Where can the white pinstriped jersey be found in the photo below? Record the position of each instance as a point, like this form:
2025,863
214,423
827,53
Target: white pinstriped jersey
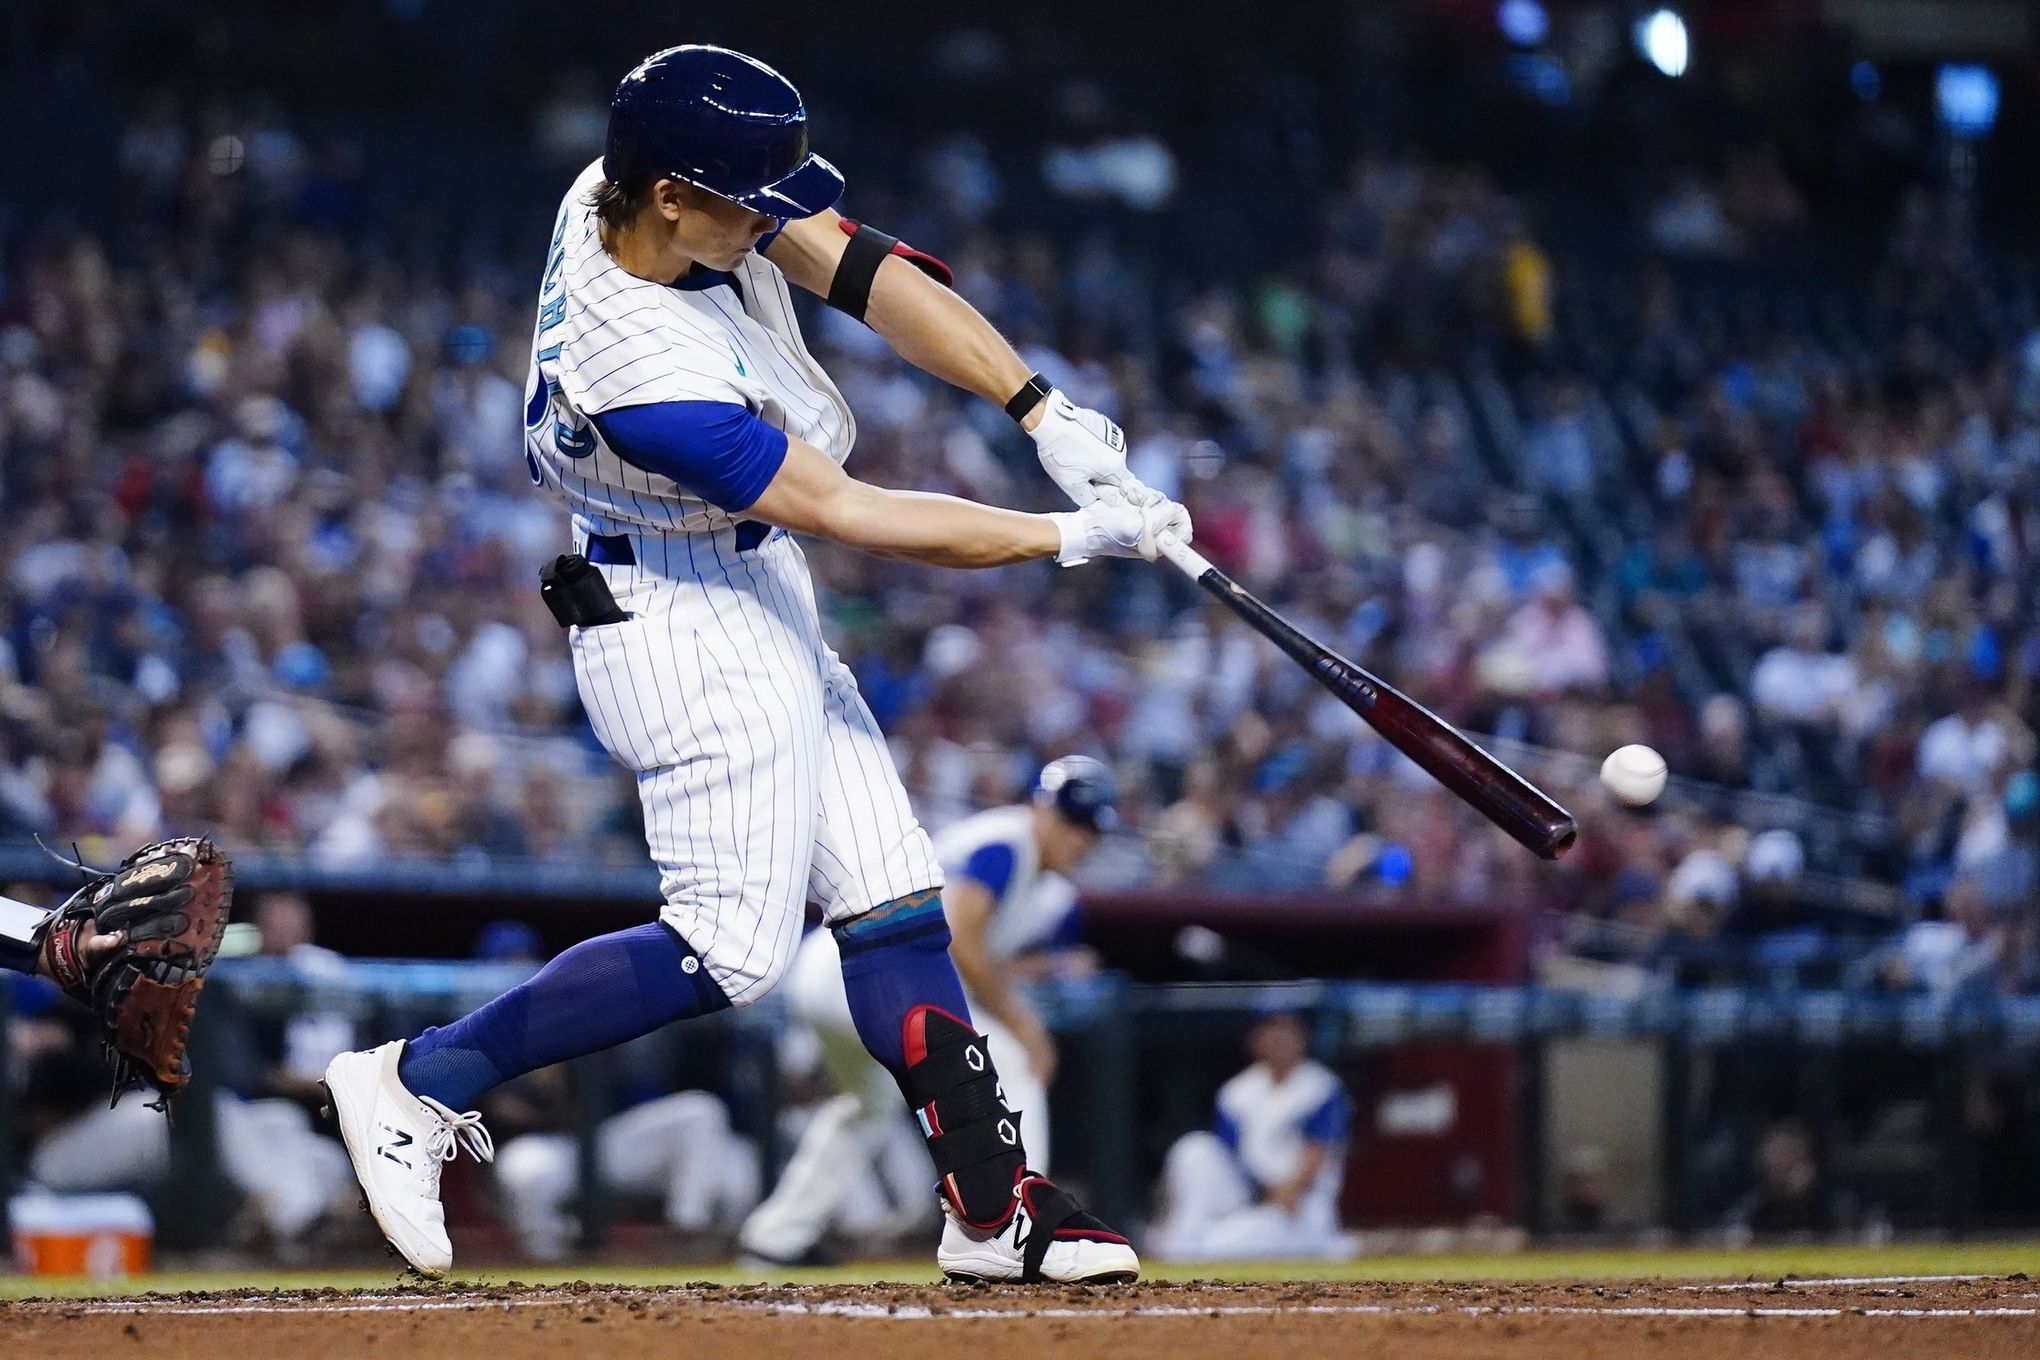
605,338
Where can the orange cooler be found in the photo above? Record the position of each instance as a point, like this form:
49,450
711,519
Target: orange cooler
103,1236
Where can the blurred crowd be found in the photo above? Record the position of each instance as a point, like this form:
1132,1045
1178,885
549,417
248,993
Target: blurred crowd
272,572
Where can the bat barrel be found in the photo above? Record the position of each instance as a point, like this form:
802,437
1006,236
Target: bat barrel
1504,797
1558,839
1490,787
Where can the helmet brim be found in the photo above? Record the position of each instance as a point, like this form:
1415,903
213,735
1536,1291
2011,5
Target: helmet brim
813,187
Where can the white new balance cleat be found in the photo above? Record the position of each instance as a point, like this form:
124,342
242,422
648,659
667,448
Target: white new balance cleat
398,1143
1048,1237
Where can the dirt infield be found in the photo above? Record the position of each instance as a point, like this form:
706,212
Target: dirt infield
1949,1318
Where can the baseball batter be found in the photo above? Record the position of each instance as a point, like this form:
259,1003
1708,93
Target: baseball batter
1005,899
673,406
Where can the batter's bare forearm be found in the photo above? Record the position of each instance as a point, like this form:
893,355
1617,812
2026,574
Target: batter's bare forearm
811,494
937,331
946,531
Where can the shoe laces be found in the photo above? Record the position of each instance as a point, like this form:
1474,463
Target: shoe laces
456,1131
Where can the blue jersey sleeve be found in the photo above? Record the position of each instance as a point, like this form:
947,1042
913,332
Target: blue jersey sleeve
1068,932
718,450
1331,1121
992,865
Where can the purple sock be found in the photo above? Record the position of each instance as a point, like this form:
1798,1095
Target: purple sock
602,992
896,957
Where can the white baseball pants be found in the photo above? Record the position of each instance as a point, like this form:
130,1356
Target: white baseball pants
1212,1214
765,780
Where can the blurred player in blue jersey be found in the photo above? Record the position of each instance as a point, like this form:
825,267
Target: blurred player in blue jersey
1263,1181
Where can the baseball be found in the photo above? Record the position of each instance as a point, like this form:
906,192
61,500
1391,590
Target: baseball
1635,774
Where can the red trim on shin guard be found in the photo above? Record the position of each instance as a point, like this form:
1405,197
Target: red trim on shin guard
914,1031
914,1047
954,1195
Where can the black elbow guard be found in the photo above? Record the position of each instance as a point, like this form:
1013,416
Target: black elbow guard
850,289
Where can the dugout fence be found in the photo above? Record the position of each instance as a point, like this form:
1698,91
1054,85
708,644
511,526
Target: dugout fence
1462,1090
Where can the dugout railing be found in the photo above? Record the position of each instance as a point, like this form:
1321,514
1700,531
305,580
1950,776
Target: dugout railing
1141,1061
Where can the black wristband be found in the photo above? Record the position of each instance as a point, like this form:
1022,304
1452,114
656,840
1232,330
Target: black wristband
1028,397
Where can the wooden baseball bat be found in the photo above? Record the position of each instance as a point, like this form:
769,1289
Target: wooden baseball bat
1494,790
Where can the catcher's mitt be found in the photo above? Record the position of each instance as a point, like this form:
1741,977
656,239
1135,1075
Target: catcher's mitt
171,899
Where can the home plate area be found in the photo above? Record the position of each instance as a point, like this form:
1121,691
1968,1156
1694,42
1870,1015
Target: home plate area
1949,1317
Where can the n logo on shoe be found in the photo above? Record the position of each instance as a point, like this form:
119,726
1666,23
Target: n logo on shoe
398,1139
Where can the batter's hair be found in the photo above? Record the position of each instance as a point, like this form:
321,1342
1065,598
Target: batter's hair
617,205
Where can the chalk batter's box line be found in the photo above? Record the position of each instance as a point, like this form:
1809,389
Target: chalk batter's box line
395,1303
920,1313
1789,1282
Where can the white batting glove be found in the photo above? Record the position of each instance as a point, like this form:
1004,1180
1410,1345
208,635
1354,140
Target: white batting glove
1085,454
1111,526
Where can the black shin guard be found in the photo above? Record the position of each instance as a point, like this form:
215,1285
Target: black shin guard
973,1135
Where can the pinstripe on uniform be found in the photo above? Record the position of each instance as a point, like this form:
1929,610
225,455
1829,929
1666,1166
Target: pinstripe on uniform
764,778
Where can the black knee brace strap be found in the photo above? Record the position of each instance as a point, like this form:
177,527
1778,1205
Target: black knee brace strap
1049,1207
973,1135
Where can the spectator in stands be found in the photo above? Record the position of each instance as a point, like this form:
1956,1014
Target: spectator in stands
1800,681
1772,896
2005,861
1557,639
1263,1182
1559,446
1966,951
302,601
1967,747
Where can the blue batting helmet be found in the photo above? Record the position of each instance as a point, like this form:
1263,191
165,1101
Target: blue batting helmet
1082,790
723,122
